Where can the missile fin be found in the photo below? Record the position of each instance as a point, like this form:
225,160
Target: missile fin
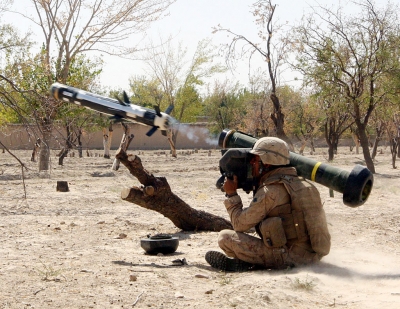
116,118
157,109
151,131
121,102
169,109
126,98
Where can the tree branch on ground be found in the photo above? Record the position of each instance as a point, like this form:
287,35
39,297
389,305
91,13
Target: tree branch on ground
156,194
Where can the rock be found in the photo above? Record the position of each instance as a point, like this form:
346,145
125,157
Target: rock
132,278
122,236
179,295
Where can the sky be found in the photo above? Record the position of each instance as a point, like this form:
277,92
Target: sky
190,21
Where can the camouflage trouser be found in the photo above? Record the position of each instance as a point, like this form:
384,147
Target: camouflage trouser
253,250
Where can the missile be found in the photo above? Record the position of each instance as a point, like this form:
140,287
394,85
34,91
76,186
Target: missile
118,110
355,185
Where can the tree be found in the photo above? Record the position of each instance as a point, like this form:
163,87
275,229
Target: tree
179,77
80,26
82,74
13,47
256,102
355,53
224,106
146,92
337,121
273,54
303,116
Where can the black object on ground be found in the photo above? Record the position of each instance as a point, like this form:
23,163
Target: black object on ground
159,243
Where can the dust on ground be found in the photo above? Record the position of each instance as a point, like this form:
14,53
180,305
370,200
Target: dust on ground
81,249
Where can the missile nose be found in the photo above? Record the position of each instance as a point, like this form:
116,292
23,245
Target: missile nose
54,90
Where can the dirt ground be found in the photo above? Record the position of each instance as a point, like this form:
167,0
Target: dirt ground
81,249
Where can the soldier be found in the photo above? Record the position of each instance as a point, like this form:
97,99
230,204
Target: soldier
286,212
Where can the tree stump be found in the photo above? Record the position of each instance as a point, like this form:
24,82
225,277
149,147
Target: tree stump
155,194
62,186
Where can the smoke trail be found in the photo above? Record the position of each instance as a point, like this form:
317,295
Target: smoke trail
196,134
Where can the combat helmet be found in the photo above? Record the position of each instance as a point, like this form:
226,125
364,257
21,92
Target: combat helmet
272,150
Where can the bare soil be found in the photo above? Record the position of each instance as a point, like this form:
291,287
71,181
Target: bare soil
81,249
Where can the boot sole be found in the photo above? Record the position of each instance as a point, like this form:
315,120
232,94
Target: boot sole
219,261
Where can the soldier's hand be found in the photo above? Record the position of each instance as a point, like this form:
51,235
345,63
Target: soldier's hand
231,185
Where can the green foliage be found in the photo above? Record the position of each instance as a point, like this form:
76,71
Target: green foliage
83,71
147,92
13,47
225,107
352,57
176,80
188,104
306,284
48,273
7,115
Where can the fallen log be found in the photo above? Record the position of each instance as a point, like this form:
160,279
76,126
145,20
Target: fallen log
155,194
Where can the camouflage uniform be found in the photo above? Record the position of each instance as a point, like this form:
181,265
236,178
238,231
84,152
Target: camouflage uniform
270,201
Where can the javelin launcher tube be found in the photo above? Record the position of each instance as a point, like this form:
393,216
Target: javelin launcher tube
117,109
355,185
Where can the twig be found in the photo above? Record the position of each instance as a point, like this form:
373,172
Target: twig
23,166
137,299
42,289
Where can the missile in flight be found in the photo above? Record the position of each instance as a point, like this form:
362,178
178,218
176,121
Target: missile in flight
118,110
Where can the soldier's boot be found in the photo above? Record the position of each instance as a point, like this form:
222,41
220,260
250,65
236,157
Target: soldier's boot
220,261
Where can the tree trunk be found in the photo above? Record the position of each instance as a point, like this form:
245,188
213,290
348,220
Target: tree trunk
356,142
279,121
110,135
312,145
125,142
398,141
330,138
398,147
393,150
44,156
79,139
331,152
35,150
67,147
375,148
172,137
107,136
365,147
380,128
303,145
63,154
394,146
155,194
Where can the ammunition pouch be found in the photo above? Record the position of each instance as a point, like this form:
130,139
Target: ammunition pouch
272,232
303,219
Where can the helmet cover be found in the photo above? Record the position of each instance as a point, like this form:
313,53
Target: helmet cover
272,150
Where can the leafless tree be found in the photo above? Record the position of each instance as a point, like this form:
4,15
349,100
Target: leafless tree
273,53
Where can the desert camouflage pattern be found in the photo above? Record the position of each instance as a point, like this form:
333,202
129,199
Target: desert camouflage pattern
272,150
282,238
